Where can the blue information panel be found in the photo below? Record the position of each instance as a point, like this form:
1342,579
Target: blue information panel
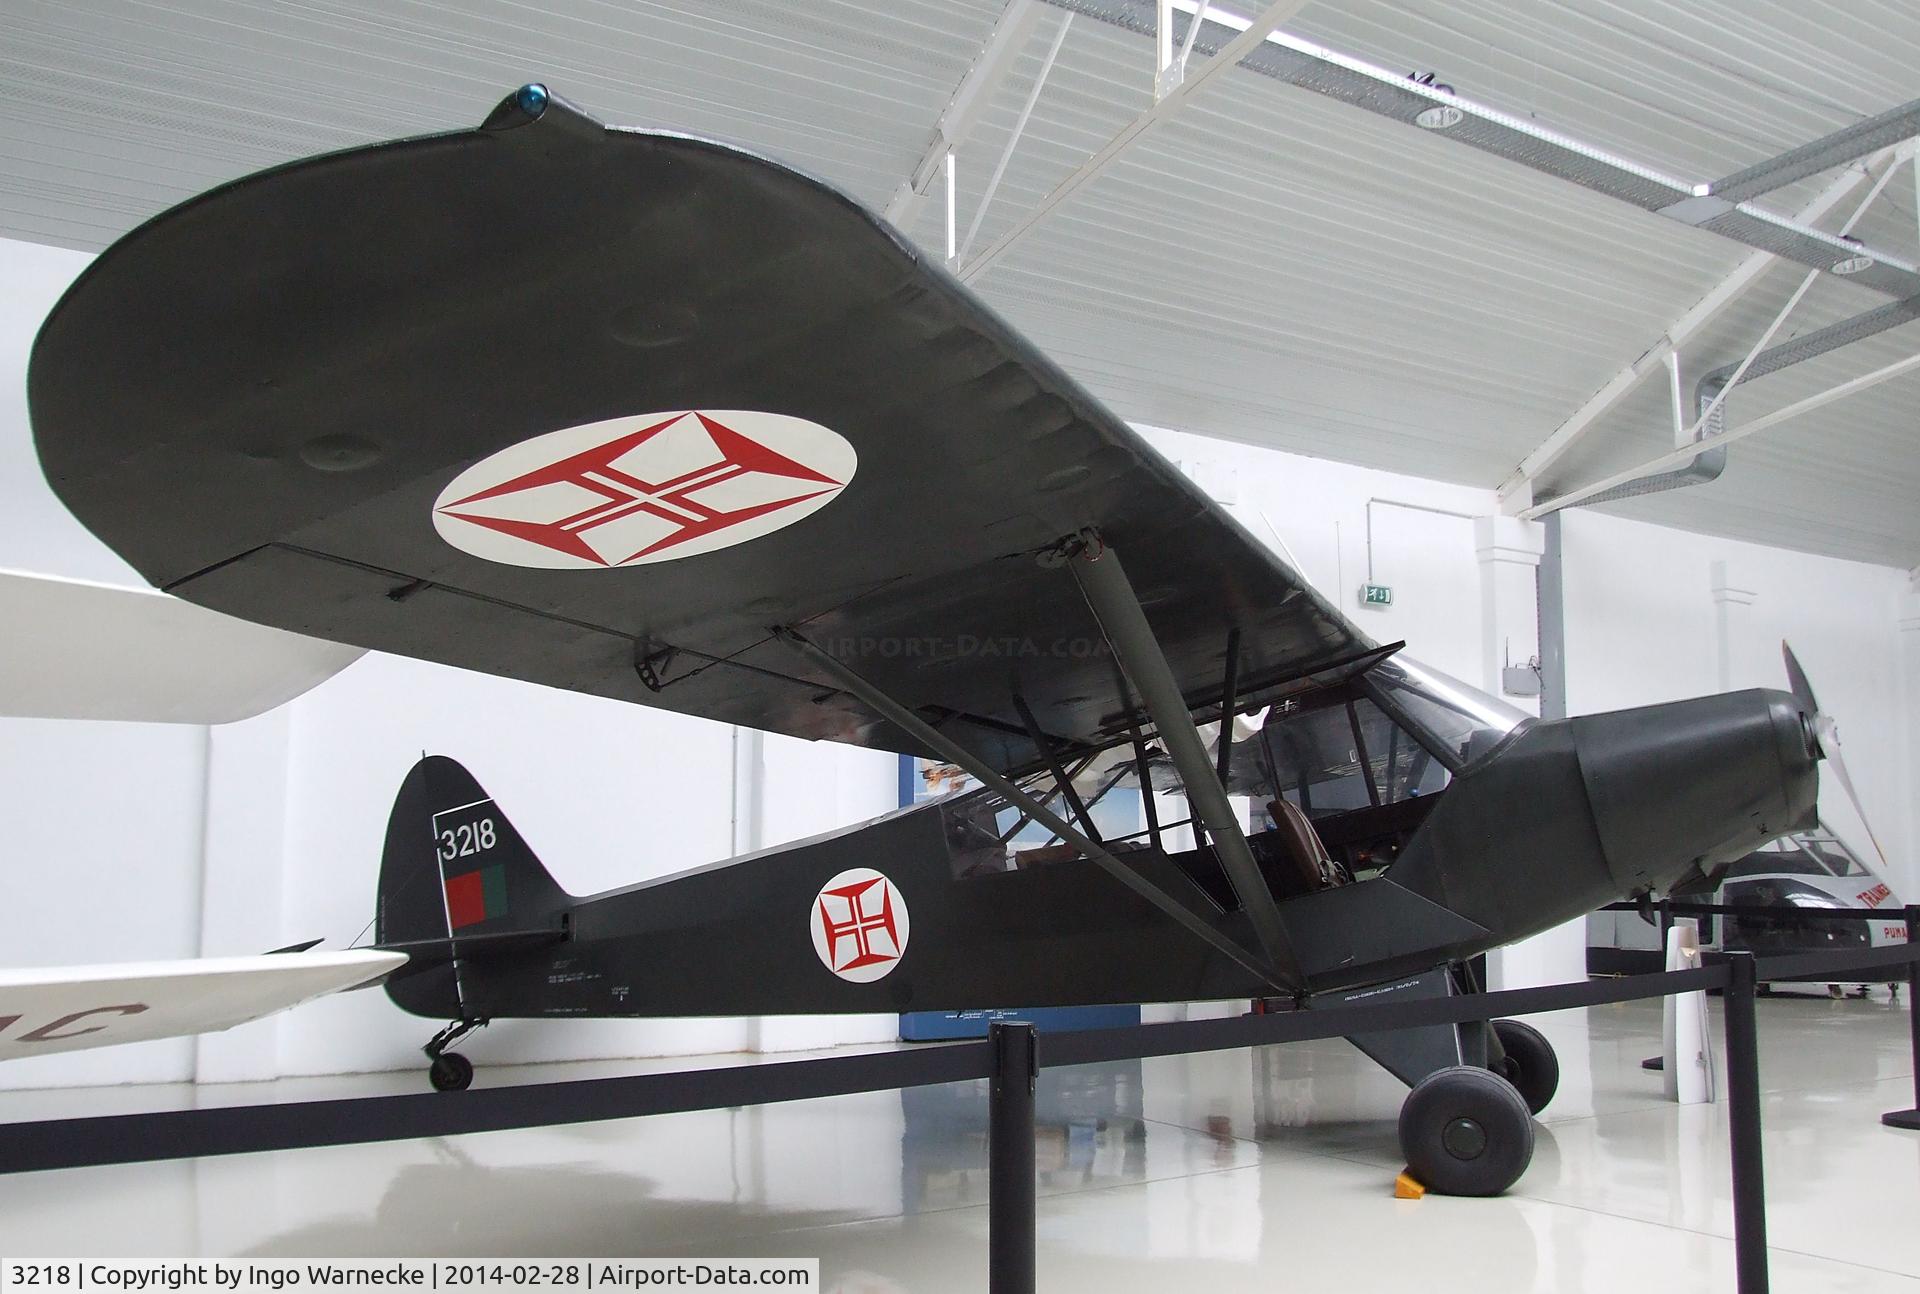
931,1026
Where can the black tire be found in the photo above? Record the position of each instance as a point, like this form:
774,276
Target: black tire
1466,1131
451,1072
1530,1065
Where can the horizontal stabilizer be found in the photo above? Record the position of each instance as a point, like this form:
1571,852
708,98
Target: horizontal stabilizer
421,953
71,1008
75,649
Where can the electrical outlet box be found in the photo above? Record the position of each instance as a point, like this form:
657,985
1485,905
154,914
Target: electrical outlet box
1520,680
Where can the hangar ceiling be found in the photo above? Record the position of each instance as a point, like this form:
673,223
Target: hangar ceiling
1268,264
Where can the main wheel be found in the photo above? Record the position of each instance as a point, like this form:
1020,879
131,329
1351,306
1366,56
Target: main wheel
451,1072
1466,1131
1530,1064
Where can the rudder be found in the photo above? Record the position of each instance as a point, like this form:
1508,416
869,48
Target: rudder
453,867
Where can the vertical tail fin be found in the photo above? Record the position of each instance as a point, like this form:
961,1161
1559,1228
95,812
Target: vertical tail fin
453,866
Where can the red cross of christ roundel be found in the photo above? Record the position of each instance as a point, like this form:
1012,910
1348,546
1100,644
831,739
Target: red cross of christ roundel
860,925
648,488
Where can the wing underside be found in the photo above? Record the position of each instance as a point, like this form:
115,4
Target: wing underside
391,397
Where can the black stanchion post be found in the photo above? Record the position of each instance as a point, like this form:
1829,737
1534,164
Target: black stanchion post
1663,922
1911,1118
1743,1118
1010,1166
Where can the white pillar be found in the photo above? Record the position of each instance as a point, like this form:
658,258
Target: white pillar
1509,550
806,788
1733,629
243,870
1907,861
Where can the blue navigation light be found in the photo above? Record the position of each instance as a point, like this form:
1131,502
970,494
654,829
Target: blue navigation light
531,99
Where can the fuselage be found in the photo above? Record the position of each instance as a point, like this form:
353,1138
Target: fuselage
936,907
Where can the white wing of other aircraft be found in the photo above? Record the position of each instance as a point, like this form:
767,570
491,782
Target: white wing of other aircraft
71,1008
76,649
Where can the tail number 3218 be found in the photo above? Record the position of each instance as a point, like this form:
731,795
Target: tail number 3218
466,839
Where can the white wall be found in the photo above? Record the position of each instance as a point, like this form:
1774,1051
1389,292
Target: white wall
1319,510
37,533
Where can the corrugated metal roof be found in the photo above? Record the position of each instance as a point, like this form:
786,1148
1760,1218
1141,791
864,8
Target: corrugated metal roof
115,110
1271,266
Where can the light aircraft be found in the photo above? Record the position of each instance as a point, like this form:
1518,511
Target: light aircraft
654,418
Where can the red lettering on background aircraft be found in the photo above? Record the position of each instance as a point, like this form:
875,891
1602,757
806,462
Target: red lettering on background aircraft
45,1033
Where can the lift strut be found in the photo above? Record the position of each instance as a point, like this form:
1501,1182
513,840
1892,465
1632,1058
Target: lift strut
1109,593
920,730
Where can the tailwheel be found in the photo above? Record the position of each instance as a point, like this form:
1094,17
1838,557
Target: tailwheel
1466,1131
1529,1063
451,1073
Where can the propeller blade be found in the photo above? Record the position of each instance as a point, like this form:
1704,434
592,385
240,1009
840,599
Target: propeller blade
1827,734
1830,742
1797,681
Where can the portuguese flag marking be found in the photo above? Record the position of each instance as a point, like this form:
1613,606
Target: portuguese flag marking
473,897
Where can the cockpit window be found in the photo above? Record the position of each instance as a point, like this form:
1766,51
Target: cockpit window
987,835
1831,855
1464,721
1803,853
1346,755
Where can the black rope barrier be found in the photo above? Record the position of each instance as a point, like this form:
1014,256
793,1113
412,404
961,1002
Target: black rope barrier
1758,911
1010,1057
297,1125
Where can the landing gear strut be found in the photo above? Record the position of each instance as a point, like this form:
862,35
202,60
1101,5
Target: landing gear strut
1467,1126
450,1071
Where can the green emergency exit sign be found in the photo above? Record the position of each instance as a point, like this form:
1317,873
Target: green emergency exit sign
1376,595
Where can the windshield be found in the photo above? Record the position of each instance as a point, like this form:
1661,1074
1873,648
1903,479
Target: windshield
1831,854
1332,758
1463,722
1803,853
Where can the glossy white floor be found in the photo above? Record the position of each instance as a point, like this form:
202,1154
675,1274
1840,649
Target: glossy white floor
1232,1171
